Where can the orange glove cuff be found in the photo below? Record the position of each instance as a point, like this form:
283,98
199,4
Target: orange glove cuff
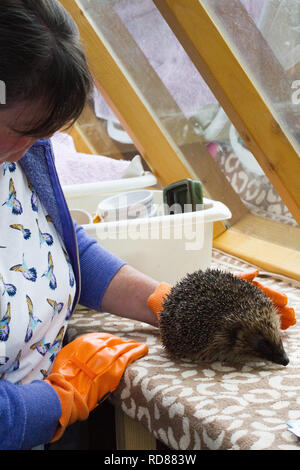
73,405
155,301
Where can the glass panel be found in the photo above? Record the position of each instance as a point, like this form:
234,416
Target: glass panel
89,152
103,131
173,88
266,35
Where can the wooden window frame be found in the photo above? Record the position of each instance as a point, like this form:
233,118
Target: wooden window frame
268,141
152,140
230,82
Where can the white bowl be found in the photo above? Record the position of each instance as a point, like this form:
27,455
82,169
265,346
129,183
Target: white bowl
126,205
81,216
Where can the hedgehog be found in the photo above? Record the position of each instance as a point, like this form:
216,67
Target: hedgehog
215,316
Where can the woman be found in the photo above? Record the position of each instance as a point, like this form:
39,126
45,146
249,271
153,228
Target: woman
47,263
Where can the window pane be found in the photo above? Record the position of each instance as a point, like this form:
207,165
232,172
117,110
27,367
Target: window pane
157,64
266,35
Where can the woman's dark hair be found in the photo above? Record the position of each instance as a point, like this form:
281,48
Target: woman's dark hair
41,58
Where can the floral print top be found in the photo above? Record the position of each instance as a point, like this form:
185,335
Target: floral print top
37,284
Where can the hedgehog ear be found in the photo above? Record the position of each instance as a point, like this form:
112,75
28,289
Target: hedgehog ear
234,332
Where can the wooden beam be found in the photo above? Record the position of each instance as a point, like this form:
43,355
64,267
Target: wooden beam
270,231
80,142
262,253
131,434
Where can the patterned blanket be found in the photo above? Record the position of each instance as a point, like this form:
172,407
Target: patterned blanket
217,406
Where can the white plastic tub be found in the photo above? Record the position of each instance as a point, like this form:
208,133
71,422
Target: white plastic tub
87,196
165,247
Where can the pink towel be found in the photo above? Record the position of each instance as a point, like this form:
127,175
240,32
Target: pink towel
77,168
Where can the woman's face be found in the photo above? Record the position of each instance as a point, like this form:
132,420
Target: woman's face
12,145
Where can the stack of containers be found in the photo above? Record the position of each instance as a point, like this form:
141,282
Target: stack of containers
165,247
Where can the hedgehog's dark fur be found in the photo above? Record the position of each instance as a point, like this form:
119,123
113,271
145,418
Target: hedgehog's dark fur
215,316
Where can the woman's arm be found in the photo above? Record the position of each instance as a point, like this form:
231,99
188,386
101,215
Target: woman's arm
28,414
127,295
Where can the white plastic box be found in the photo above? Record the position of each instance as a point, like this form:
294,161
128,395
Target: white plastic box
165,247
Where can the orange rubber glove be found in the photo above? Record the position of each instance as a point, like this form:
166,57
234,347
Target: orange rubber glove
155,301
88,370
287,314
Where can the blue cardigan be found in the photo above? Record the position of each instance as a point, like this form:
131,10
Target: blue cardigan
29,413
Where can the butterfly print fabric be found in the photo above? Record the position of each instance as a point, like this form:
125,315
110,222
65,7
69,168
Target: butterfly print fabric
37,284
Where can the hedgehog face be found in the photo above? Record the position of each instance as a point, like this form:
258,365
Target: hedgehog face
255,343
267,349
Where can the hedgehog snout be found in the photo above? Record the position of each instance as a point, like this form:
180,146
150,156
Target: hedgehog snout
267,349
282,359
